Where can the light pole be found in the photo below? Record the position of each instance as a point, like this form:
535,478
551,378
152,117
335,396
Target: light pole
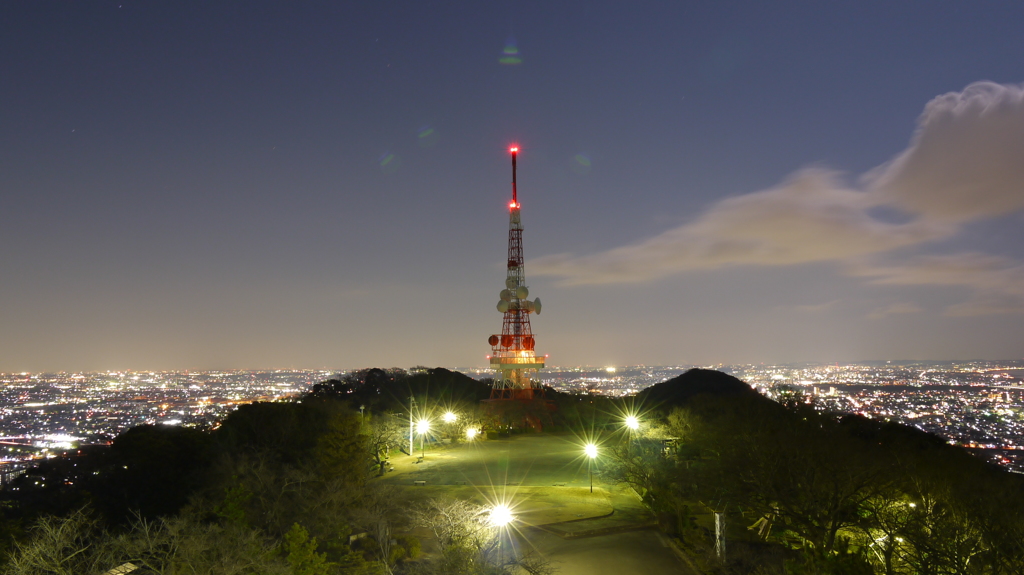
449,418
632,424
499,517
422,427
412,408
591,451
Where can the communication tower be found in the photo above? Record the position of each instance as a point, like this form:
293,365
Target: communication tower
512,352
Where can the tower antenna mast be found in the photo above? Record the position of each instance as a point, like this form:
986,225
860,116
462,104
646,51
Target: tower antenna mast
512,352
515,152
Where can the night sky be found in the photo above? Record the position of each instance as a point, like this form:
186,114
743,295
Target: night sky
196,185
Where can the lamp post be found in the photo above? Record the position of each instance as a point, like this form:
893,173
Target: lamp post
591,451
412,408
499,517
632,424
422,427
449,418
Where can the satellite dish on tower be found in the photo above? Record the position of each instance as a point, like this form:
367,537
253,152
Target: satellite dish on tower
536,306
522,292
506,295
503,306
510,283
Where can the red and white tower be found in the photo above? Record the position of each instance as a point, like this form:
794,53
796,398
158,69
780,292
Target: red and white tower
512,352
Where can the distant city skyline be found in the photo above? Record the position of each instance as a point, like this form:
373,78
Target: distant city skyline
267,185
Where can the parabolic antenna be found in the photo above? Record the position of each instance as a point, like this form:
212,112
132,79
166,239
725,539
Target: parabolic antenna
506,295
510,283
503,306
522,292
536,306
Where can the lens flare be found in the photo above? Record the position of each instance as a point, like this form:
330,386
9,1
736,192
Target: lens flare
510,55
389,163
580,163
426,136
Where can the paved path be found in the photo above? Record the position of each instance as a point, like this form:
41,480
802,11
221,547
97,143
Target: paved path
641,552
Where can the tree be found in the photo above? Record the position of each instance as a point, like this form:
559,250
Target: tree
300,552
382,433
470,545
62,546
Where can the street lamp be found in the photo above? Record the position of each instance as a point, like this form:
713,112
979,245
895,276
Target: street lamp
412,408
422,427
500,515
471,433
449,417
632,424
591,452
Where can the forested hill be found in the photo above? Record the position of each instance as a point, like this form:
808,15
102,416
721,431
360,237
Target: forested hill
692,383
390,389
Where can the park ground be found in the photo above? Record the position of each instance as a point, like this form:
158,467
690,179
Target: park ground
546,480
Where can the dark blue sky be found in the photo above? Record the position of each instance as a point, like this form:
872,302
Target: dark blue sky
323,184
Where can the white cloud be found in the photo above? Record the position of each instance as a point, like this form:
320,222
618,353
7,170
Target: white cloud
966,159
811,217
965,163
994,284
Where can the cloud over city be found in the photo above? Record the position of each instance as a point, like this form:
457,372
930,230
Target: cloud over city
962,165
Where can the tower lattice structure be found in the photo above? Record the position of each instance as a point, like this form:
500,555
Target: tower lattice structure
512,353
